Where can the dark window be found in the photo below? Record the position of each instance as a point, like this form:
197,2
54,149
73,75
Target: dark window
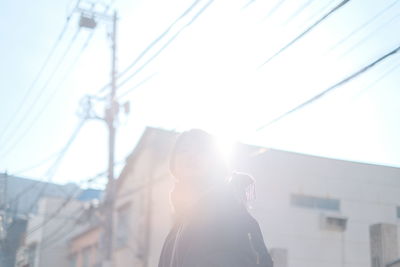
72,261
334,223
85,257
398,212
122,233
315,202
32,255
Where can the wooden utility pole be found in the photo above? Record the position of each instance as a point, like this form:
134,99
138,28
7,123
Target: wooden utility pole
111,112
88,20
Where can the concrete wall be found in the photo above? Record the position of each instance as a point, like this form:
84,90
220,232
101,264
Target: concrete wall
145,195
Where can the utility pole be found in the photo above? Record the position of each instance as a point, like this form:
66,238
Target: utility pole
87,20
111,112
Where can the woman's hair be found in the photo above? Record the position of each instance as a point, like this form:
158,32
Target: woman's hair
243,186
193,142
200,157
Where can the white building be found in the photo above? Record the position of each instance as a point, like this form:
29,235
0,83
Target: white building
320,210
18,201
49,231
313,211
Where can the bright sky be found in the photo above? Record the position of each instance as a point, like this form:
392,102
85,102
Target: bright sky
207,77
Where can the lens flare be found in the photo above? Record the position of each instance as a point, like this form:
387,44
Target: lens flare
225,147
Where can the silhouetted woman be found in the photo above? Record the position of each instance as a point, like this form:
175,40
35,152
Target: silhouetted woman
213,227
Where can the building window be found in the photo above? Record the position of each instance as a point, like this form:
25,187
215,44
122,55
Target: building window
398,212
122,234
96,256
315,202
85,257
31,255
72,261
335,223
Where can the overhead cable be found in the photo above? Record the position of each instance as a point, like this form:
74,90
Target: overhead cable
166,44
38,75
48,101
298,11
154,42
363,40
305,32
35,101
274,9
51,171
329,89
373,84
362,26
144,81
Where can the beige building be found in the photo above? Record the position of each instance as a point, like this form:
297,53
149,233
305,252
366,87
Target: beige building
84,248
313,211
142,211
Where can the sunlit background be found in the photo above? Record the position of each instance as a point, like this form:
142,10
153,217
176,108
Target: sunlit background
206,72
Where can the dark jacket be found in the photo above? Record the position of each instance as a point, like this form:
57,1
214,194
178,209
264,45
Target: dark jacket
218,231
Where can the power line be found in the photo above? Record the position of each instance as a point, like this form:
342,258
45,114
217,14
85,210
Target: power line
67,146
384,75
64,204
69,70
29,109
298,11
38,75
320,10
369,35
57,234
104,12
51,171
305,32
36,165
162,35
249,2
71,67
52,216
362,26
52,237
274,8
144,81
167,43
61,151
323,93
154,42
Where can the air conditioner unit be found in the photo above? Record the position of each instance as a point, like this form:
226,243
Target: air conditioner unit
333,222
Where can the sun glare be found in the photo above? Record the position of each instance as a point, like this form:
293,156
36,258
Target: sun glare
225,148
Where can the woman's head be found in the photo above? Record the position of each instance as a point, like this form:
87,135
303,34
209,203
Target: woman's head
195,158
243,186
